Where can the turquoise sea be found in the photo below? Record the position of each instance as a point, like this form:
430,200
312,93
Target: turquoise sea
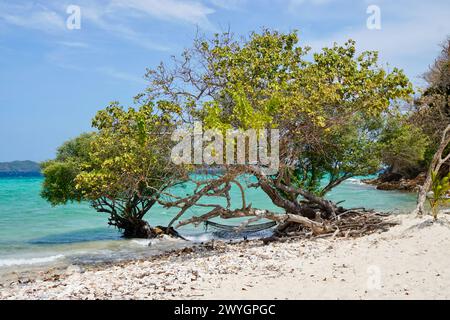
33,232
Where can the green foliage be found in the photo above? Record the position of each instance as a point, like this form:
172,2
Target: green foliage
130,155
432,112
440,189
403,146
348,150
328,110
59,185
121,168
76,149
254,77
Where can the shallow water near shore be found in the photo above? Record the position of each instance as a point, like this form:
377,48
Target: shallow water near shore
34,233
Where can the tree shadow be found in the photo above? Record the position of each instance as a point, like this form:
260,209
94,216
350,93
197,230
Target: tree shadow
430,222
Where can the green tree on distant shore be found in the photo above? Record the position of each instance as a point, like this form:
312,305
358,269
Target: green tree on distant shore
403,146
417,136
121,169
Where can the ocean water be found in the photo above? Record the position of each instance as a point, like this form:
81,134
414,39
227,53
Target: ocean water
32,232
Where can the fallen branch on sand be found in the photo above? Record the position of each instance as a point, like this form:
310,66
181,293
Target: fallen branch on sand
308,215
349,223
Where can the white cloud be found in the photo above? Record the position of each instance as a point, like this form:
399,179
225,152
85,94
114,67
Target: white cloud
73,44
103,18
120,75
36,17
296,3
117,17
408,37
229,4
193,12
401,42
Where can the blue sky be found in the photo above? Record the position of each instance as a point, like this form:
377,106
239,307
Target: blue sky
53,79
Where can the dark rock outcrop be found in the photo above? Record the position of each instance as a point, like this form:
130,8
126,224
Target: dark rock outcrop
392,181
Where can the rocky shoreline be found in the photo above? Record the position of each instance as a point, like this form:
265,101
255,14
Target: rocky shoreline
389,182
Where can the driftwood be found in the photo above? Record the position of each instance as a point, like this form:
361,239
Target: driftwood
350,223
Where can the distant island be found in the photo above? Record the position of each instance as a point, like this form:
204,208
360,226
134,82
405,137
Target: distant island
20,169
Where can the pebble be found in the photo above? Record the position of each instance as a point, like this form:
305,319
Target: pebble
169,275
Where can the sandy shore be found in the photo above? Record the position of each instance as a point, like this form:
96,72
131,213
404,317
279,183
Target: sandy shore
410,261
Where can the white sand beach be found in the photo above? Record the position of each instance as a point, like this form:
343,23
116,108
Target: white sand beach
410,261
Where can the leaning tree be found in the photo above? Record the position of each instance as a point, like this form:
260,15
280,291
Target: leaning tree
328,107
440,158
121,169
433,116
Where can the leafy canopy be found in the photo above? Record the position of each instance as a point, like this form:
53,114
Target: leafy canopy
130,154
403,146
440,189
328,107
59,186
122,168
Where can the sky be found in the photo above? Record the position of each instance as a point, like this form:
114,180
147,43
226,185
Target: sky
61,61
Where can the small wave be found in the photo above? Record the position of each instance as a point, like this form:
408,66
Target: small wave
162,240
142,242
202,237
15,262
355,181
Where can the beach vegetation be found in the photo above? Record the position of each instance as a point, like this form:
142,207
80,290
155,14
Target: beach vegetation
426,119
440,189
328,106
440,161
121,168
403,146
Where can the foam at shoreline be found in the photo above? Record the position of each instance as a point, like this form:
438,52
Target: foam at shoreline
29,261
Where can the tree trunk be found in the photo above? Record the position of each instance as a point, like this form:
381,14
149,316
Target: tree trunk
293,206
137,229
422,197
435,166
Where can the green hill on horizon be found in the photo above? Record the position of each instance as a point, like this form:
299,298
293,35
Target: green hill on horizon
25,168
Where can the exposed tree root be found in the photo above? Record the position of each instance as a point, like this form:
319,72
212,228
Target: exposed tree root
349,223
306,214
